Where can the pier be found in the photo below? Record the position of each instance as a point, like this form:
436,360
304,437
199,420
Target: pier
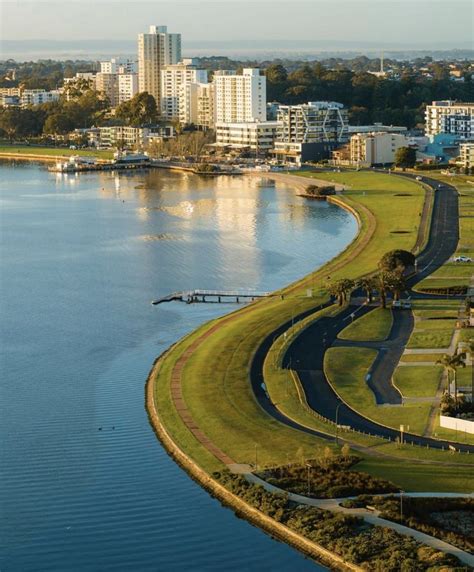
213,296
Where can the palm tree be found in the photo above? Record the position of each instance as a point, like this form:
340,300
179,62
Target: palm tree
368,284
451,364
383,281
341,289
397,284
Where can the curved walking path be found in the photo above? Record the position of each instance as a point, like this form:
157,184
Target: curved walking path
372,517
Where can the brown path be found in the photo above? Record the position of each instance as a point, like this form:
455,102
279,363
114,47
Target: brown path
180,403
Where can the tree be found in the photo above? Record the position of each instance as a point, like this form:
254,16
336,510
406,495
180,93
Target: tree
341,289
368,284
396,260
405,157
58,124
396,284
451,363
139,110
383,281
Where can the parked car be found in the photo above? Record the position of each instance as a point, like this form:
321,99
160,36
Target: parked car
462,259
419,178
401,305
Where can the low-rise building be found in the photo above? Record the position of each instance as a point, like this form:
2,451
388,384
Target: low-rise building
375,128
124,136
367,149
466,155
38,96
257,135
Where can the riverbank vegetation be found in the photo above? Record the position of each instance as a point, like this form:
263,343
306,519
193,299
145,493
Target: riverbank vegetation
370,547
449,519
330,476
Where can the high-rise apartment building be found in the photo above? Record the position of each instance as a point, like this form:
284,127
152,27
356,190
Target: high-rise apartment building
451,118
119,66
310,131
196,105
106,83
127,86
240,98
156,49
175,77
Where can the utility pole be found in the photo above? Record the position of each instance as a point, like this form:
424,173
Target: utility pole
401,506
308,466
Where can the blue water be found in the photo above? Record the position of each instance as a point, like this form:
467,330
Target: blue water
81,258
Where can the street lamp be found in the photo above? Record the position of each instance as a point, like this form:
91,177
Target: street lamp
309,467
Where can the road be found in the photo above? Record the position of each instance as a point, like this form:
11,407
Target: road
306,352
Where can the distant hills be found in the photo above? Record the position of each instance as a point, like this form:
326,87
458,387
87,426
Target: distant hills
246,49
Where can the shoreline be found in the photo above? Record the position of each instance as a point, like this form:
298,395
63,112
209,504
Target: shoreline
241,509
203,478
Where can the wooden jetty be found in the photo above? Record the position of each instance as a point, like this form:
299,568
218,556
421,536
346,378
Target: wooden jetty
222,296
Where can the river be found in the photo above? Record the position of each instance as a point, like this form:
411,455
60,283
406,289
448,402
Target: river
84,483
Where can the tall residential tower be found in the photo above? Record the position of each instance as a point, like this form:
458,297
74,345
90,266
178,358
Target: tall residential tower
155,50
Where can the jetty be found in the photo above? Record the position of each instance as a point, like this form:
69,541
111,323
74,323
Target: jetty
216,296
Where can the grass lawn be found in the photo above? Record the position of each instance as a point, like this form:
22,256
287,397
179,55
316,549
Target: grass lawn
411,477
410,358
435,283
346,368
435,324
55,151
379,194
438,339
374,326
454,270
215,379
466,334
418,381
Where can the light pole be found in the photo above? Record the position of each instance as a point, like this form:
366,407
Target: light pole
256,457
308,466
337,418
401,506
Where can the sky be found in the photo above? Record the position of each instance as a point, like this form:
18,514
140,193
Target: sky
447,23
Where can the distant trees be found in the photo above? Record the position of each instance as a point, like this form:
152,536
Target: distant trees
188,143
405,157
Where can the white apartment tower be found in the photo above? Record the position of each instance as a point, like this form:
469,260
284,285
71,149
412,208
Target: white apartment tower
173,78
156,49
451,118
196,105
240,98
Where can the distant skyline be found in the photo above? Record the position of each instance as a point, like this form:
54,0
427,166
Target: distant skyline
378,23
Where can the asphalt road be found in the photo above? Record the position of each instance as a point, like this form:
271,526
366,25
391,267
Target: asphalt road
306,353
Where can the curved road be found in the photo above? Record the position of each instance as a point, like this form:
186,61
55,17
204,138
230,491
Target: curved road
307,350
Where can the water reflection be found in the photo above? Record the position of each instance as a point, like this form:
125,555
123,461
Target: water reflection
81,259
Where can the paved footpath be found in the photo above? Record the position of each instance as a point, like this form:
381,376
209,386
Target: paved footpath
372,516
